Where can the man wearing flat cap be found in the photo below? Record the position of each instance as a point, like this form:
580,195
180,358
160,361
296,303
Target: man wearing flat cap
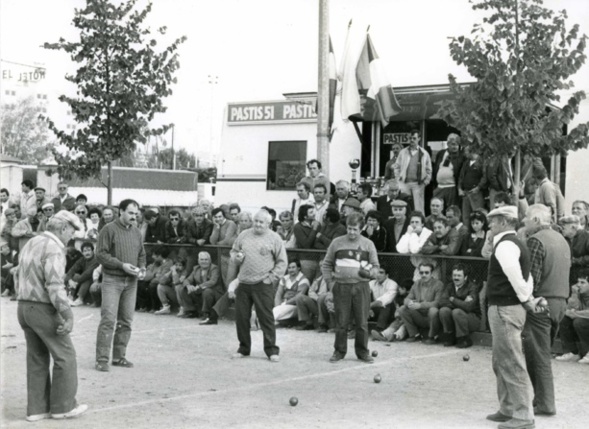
48,211
578,239
40,198
396,225
45,316
509,294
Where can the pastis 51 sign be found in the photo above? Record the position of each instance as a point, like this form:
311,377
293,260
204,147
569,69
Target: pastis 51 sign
275,112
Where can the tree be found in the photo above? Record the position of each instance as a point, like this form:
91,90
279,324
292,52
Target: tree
24,135
521,56
121,82
163,158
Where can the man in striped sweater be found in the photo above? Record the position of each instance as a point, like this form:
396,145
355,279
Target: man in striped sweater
350,262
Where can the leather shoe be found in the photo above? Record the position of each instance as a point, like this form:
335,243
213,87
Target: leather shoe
413,339
464,343
366,359
102,367
498,417
335,358
188,315
540,412
208,321
517,424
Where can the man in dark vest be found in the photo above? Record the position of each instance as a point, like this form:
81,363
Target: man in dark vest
509,293
550,259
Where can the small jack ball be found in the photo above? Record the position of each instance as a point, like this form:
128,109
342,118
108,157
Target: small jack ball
466,358
377,378
374,353
293,401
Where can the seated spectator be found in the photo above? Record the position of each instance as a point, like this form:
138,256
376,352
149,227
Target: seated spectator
305,232
156,227
203,287
222,305
396,226
330,229
207,207
79,277
420,309
175,228
307,305
384,202
7,263
374,231
581,209
169,284
326,309
436,209
84,234
574,327
444,241
304,197
352,205
199,228
396,330
472,244
578,239
147,298
460,312
382,292
96,287
294,283
287,232
48,211
363,195
274,224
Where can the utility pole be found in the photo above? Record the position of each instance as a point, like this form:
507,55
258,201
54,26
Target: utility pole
323,88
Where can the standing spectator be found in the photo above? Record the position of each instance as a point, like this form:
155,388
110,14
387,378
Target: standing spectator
305,232
262,258
321,202
63,200
331,228
224,230
574,327
11,221
4,199
40,198
460,312
413,170
94,215
316,176
234,211
199,228
26,199
121,254
46,318
304,197
396,226
550,259
290,288
471,183
578,239
384,202
389,170
79,278
447,171
472,244
499,177
287,231
420,309
454,216
548,193
25,229
364,194
342,192
156,227
581,209
436,207
374,231
244,221
349,262
108,215
382,293
509,294
81,199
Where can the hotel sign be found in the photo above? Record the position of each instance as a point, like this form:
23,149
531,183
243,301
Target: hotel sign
271,112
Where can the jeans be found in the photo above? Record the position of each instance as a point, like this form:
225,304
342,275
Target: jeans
422,318
118,306
383,315
514,388
574,334
262,296
458,321
417,191
167,295
539,333
55,393
352,303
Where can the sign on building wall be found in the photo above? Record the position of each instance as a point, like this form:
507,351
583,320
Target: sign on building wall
392,138
271,112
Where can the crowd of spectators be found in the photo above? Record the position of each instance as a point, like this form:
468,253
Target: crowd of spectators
188,278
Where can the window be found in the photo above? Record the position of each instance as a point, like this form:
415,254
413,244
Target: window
286,164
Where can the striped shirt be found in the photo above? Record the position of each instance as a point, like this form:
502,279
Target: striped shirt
119,244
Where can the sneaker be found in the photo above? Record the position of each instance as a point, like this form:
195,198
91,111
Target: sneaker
102,366
208,321
238,355
336,357
414,339
274,358
80,409
378,336
181,312
165,310
585,360
77,302
568,357
37,417
517,424
123,363
5,294
366,359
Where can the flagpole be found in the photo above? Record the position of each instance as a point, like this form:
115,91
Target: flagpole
323,88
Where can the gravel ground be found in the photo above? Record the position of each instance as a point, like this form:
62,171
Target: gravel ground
184,378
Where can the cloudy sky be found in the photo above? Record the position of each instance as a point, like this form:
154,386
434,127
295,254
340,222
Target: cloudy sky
260,49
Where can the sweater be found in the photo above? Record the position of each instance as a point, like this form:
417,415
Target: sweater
225,234
119,244
264,256
468,289
428,294
550,259
344,258
328,232
82,270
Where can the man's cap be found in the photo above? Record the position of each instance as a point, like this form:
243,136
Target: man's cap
565,220
399,203
352,202
505,211
69,217
39,188
32,211
47,205
9,211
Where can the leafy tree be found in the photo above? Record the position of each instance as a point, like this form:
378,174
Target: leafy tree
163,158
521,56
121,82
24,135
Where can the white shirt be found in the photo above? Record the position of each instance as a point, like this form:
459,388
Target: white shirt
298,203
320,211
412,243
384,292
507,254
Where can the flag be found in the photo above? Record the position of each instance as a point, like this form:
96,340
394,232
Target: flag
349,98
332,86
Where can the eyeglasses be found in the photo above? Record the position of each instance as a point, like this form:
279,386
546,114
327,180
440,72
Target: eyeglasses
175,219
80,212
424,272
47,210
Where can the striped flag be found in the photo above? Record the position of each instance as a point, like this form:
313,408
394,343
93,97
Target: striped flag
350,98
332,86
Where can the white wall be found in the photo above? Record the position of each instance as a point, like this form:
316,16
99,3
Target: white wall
11,176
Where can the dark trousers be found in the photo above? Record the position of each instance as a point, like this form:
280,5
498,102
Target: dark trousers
383,315
221,307
415,320
539,333
262,296
83,289
209,298
574,334
46,392
352,303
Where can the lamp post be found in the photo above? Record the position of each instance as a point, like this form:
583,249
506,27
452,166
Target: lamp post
354,164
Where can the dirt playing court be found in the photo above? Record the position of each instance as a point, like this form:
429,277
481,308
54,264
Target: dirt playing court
184,378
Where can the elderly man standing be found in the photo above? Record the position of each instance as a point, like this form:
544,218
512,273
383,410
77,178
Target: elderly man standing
509,293
121,253
45,316
550,259
578,239
261,254
63,200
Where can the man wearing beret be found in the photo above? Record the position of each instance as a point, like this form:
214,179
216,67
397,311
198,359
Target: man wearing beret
45,316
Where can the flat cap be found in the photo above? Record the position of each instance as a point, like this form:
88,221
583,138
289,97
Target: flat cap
69,217
505,211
